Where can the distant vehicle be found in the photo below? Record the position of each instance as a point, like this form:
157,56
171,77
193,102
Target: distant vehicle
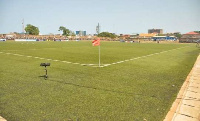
2,39
197,41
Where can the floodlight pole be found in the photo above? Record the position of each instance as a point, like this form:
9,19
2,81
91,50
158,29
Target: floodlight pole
23,26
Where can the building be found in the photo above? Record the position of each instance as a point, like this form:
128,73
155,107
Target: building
124,36
190,37
144,35
158,31
81,33
134,35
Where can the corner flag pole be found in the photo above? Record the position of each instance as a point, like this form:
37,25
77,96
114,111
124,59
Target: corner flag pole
98,31
99,56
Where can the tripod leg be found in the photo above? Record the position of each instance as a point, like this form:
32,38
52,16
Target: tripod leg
46,72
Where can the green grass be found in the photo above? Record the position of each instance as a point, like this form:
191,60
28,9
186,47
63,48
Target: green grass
130,91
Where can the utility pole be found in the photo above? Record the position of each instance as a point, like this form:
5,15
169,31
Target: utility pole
22,25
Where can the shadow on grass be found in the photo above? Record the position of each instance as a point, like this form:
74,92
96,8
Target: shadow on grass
101,89
44,76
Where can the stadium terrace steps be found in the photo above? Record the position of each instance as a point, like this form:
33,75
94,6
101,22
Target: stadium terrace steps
186,107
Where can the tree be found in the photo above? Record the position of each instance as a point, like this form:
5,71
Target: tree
32,30
197,32
107,34
64,30
72,33
178,35
161,34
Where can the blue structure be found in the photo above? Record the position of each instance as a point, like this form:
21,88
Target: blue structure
158,38
81,33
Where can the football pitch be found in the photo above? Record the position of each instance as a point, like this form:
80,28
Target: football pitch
136,81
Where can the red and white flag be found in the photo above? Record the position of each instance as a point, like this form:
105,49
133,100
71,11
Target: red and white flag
96,42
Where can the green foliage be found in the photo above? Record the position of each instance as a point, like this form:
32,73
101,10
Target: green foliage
161,34
178,35
107,34
65,31
32,30
130,91
197,32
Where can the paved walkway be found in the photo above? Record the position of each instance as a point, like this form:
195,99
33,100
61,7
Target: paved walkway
187,105
2,119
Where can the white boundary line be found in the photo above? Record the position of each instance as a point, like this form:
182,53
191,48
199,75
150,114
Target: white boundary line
95,65
157,53
49,59
146,56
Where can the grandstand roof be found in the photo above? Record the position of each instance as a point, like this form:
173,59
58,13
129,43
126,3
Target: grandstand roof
192,33
148,35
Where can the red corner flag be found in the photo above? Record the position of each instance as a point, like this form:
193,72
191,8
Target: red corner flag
96,42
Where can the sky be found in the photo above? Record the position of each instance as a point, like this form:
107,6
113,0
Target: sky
116,16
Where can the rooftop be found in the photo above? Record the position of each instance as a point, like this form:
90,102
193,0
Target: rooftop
192,33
